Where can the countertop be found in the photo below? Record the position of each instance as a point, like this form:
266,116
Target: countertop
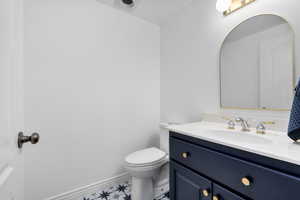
273,144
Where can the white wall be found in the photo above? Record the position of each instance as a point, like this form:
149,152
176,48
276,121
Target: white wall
92,87
190,55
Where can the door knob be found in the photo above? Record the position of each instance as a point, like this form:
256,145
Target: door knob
33,139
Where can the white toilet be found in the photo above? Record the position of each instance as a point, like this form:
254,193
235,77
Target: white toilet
144,166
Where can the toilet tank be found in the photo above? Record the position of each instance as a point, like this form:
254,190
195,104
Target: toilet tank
164,137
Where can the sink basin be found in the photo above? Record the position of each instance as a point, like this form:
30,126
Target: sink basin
216,131
237,136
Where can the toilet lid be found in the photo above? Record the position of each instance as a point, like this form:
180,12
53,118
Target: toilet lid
145,157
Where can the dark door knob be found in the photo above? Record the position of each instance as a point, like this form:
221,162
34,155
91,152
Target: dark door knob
33,139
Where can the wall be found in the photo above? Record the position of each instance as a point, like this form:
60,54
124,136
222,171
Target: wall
92,82
190,46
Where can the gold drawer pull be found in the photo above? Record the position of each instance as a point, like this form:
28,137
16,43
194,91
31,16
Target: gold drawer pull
185,155
205,193
216,198
246,181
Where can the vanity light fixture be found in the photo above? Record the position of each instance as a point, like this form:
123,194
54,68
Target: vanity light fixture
229,6
223,5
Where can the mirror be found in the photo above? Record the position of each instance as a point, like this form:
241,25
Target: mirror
257,65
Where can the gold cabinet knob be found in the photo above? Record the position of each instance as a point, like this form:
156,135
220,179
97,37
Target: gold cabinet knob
185,154
216,197
246,181
205,193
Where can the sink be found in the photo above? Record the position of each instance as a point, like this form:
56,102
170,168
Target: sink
238,136
218,131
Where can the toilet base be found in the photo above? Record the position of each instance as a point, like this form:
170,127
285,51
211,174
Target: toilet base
142,189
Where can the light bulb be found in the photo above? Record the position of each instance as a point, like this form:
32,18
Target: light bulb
223,5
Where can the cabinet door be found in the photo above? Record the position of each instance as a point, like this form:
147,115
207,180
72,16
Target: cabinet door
220,193
187,185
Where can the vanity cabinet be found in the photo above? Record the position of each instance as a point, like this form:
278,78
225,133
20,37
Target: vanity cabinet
189,185
227,173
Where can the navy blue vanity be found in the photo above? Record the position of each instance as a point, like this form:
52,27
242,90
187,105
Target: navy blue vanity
202,170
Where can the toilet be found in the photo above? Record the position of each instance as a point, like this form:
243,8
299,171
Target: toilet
144,166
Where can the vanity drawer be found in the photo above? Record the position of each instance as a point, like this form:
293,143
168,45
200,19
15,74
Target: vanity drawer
220,193
249,179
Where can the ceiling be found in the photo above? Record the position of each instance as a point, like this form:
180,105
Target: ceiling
155,11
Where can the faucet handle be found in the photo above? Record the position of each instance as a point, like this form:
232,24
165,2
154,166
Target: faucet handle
261,128
231,124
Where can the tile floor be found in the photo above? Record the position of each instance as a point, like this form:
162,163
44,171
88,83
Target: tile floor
118,192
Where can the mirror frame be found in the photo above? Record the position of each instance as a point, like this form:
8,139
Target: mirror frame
220,68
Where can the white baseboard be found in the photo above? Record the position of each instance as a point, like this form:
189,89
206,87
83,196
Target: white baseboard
92,188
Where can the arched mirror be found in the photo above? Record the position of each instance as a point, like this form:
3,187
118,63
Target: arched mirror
257,65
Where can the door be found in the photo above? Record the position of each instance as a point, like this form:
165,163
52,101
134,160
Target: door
186,184
11,120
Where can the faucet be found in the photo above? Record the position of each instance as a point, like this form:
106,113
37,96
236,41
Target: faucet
231,124
244,124
261,128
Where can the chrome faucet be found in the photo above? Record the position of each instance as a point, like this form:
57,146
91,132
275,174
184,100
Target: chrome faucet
261,128
244,124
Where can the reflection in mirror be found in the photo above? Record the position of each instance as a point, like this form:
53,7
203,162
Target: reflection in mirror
257,65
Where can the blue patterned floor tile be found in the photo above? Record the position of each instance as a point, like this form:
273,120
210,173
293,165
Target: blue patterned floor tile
118,192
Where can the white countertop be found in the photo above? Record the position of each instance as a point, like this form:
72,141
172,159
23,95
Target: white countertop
273,144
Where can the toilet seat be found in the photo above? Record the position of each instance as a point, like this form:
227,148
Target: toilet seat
146,157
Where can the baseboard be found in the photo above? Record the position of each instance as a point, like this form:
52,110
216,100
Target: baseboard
92,188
